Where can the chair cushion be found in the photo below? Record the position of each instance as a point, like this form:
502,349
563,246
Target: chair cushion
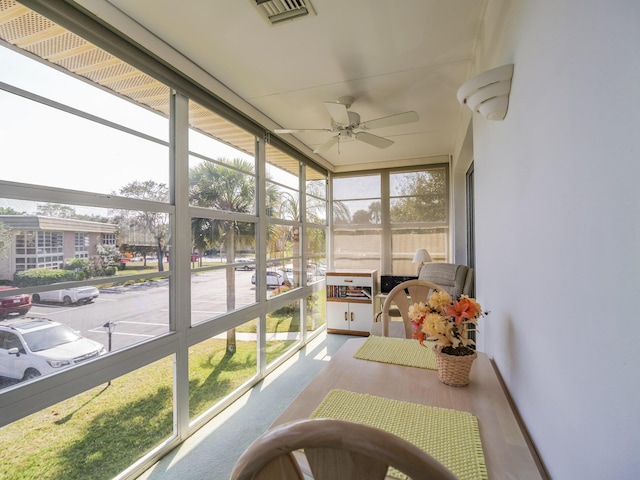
450,276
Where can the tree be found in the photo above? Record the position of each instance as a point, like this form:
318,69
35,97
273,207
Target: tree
10,211
6,237
92,218
223,188
56,210
6,234
341,213
361,216
316,202
156,224
109,257
375,212
425,197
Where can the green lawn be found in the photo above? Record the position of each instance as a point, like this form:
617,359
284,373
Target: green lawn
99,433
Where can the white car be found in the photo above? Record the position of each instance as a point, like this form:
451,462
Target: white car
30,347
274,279
68,296
249,264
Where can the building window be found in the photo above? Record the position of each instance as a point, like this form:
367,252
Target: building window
82,245
108,238
36,249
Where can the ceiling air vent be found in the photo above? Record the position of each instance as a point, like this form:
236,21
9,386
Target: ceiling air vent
278,11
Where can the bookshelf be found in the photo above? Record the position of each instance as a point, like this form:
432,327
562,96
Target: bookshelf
350,301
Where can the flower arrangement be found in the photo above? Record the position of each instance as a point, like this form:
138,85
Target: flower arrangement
445,320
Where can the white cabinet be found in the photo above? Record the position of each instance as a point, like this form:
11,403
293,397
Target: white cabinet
350,301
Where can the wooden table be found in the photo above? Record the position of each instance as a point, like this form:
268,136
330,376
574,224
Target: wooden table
506,448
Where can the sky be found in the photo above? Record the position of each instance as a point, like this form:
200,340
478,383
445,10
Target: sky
44,146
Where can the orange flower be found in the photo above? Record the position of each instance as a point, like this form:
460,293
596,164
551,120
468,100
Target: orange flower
420,336
462,309
474,307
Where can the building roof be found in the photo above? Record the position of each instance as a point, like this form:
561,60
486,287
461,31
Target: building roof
35,222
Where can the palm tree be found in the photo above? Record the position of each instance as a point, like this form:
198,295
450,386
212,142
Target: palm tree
229,188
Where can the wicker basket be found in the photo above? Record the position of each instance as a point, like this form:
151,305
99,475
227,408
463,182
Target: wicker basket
453,369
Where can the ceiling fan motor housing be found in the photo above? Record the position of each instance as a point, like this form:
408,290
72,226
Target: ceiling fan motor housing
354,121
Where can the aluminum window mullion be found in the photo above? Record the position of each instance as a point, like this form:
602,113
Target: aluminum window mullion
222,164
210,213
261,252
79,113
180,287
35,193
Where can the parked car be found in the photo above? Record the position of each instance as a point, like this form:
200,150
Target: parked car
246,264
14,304
68,296
274,279
30,347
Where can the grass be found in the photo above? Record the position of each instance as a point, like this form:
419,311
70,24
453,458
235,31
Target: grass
101,432
95,434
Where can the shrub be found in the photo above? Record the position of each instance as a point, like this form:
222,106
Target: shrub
109,271
82,267
42,276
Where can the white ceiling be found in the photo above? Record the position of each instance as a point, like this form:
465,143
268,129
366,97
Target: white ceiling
391,55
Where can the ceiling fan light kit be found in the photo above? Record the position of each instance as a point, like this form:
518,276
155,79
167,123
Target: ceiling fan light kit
488,92
344,122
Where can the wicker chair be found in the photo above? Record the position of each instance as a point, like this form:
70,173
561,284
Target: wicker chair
334,450
402,296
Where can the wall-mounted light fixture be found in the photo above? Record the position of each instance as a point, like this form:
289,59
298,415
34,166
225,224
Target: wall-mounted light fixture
488,93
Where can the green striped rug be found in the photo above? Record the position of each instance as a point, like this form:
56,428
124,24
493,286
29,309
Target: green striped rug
399,351
450,436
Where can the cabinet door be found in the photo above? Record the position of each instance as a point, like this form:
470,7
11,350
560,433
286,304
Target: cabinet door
338,315
360,317
354,317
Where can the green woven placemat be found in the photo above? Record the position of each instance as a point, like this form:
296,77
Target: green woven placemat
399,351
450,436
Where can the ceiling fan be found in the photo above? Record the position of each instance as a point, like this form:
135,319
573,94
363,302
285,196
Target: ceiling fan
344,122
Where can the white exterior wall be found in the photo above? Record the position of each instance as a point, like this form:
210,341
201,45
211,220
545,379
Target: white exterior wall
557,228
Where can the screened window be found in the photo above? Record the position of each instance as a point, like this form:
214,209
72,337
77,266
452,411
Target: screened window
284,209
357,218
166,200
380,220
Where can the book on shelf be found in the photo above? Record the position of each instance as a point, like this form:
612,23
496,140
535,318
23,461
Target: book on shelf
342,291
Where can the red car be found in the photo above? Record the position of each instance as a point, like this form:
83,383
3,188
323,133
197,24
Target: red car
15,304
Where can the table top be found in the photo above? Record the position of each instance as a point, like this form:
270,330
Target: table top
506,448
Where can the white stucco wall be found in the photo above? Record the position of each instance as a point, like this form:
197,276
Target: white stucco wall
557,228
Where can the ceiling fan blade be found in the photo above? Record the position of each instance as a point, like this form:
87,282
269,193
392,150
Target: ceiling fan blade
327,145
397,119
374,140
296,130
338,112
